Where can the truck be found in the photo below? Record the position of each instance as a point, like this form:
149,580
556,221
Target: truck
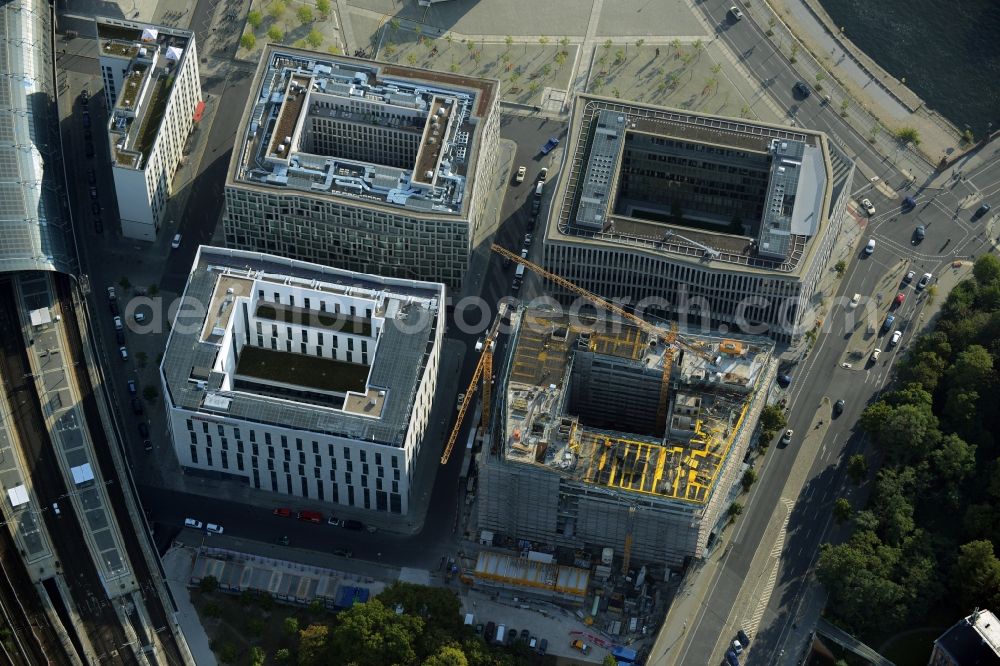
550,145
580,645
624,654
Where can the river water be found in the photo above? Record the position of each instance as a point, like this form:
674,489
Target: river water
948,51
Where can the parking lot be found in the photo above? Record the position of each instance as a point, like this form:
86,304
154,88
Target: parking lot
543,620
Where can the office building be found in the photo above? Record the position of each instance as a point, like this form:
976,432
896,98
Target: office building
153,92
972,641
361,165
303,380
607,437
720,223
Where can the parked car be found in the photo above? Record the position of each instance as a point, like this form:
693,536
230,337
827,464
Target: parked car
176,242
894,340
283,512
93,192
737,647
123,352
735,12
191,522
900,297
212,527
784,381
732,659
333,520
870,247
875,354
132,387
461,401
120,337
95,207
908,278
86,119
869,208
522,171
356,525
580,645
118,323
147,445
543,646
282,541
925,279
741,635
887,324
550,145
525,635
112,294
310,516
543,174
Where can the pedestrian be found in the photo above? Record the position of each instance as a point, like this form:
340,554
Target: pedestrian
657,51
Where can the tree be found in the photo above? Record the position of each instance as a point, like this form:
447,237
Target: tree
908,135
150,393
304,13
276,9
375,635
716,68
314,38
820,76
905,432
842,510
560,58
291,625
447,655
973,369
208,584
411,58
609,661
735,509
248,41
313,643
543,40
390,48
255,18
794,52
255,626
564,42
931,293
607,44
323,7
228,653
977,574
394,25
257,656
857,468
840,267
508,40
986,270
771,22
953,461
749,477
772,419
619,56
449,38
275,34
698,46
845,104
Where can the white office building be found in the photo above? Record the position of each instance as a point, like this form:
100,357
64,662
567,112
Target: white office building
153,93
366,166
303,380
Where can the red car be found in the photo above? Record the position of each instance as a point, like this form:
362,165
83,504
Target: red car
900,297
311,516
284,513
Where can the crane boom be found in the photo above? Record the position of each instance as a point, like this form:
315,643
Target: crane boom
483,370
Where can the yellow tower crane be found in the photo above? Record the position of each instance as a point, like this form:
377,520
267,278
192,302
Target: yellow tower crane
484,370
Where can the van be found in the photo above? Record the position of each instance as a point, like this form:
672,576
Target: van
500,633
519,272
870,247
539,186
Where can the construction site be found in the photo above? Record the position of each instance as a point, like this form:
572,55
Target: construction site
617,444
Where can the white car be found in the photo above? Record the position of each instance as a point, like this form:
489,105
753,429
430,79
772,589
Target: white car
870,247
521,172
787,437
894,340
118,323
212,527
924,280
869,208
461,400
176,242
123,351
737,647
855,301
191,522
876,354
738,15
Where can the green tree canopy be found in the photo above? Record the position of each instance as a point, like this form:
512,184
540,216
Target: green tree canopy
314,642
977,574
447,655
374,635
987,270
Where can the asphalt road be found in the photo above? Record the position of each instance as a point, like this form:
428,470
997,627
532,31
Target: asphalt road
821,379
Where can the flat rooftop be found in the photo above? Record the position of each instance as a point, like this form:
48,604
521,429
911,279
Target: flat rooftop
804,174
370,401
366,132
150,57
712,381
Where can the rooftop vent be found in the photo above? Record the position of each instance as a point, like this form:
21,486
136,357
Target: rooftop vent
428,174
